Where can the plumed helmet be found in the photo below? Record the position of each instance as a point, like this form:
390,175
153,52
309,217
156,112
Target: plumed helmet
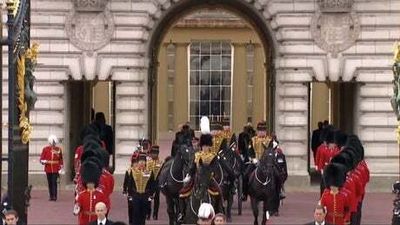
90,173
334,175
206,140
205,125
206,211
52,139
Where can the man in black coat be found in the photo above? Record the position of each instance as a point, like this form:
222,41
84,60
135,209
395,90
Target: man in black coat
101,211
319,216
316,139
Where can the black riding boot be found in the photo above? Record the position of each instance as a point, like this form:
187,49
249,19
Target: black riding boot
182,210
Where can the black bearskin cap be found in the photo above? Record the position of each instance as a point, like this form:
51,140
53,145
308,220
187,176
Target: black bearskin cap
104,157
340,138
206,140
354,141
90,173
88,153
334,175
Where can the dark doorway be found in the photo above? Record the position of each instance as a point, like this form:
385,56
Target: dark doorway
84,99
335,102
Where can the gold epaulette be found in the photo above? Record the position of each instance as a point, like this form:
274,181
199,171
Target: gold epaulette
206,157
154,166
217,140
141,179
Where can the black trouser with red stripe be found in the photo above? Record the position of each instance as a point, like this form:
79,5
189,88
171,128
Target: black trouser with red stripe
52,182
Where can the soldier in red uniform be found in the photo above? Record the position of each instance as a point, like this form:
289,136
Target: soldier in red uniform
334,198
52,159
86,200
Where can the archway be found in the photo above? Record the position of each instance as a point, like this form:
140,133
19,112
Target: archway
246,11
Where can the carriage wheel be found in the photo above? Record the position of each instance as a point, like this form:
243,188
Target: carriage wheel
239,194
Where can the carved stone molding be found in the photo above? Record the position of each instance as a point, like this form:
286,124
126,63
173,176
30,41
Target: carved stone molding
335,5
90,5
88,27
335,28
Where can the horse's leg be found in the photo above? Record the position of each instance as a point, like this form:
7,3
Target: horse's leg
229,206
170,209
254,207
265,211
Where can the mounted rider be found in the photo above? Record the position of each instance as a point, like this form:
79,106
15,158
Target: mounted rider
206,155
256,150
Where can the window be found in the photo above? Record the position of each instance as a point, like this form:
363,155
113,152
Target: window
210,71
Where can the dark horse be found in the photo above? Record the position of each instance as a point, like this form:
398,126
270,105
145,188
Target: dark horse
263,185
171,178
200,194
231,164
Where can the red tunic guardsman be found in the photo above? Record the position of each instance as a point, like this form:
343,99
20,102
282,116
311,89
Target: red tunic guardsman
52,159
86,200
334,198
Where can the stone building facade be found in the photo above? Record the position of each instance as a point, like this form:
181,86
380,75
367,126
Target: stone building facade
304,41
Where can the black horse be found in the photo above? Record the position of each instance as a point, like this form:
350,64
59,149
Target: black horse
231,164
171,178
201,194
263,185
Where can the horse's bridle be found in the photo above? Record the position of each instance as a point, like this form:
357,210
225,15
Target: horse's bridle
267,180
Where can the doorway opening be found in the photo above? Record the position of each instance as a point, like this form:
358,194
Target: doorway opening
84,100
334,102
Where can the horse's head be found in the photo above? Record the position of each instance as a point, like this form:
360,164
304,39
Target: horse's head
268,158
186,152
204,176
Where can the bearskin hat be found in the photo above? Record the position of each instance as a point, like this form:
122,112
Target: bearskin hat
339,138
206,140
104,157
329,136
89,129
88,153
262,126
334,175
354,141
96,160
90,173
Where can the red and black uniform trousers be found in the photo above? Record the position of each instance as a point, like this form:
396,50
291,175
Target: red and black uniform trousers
52,159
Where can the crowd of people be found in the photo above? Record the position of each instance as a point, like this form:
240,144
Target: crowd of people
338,157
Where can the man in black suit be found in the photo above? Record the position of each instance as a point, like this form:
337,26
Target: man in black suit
101,211
319,216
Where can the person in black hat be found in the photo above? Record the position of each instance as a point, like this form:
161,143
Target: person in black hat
127,183
86,200
154,165
141,186
334,198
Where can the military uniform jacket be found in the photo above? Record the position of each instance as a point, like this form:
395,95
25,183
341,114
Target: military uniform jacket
87,201
154,166
337,205
139,183
53,157
257,148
